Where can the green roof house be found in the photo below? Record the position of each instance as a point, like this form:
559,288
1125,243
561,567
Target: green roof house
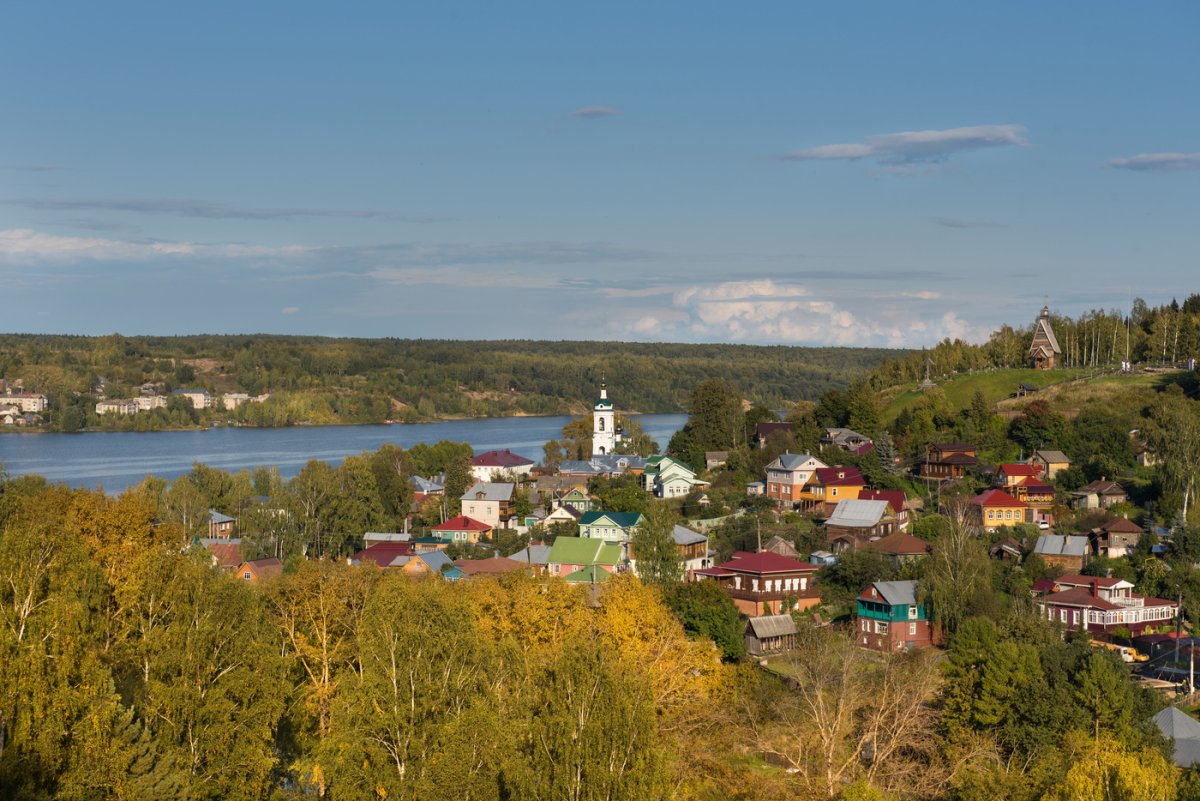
611,526
571,554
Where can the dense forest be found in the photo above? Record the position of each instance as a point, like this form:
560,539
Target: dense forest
318,380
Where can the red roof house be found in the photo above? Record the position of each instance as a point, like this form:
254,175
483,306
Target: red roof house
996,508
765,582
461,529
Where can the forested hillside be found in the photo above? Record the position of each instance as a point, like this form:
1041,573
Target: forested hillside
320,380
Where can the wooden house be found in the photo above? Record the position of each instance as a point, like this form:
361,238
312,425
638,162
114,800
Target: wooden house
1051,462
890,618
765,583
947,461
1063,550
257,570
995,508
770,634
1097,604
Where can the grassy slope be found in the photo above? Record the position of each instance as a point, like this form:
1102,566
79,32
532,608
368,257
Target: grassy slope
1064,389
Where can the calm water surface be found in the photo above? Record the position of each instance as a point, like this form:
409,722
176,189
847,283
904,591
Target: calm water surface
117,460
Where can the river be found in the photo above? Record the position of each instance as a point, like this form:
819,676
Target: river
115,461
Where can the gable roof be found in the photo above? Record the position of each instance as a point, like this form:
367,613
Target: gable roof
857,514
583,551
764,562
772,626
894,498
839,476
425,486
1020,469
1101,487
1051,457
501,459
492,491
462,523
685,536
620,519
225,553
263,568
900,544
1042,332
793,461
779,545
893,593
1081,597
592,574
532,555
1061,545
216,517
1121,525
491,566
1184,731
995,497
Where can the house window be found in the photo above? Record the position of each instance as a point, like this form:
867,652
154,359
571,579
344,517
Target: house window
881,627
833,492
754,585
866,625
991,514
803,584
1008,514
912,629
912,613
246,575
1062,615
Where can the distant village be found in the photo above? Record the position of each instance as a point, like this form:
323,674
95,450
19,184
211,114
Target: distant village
775,584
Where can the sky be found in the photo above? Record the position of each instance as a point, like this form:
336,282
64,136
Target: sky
865,174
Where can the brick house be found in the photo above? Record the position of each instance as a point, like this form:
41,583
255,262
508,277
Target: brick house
765,583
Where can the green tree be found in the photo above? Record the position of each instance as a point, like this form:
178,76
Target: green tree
654,550
706,611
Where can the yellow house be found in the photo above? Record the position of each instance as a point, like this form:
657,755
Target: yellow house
1051,462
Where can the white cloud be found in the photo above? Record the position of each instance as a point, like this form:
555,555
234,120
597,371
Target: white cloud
25,246
925,294
911,147
290,310
1158,162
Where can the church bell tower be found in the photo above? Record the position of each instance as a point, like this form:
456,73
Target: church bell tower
604,425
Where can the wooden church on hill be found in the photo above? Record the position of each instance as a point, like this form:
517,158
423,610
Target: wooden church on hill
1044,351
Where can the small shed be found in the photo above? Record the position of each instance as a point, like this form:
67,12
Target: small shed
770,634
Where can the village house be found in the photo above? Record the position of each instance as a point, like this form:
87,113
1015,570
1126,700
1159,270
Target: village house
257,570
764,431
562,514
714,459
666,477
1116,538
232,400
782,547
1063,550
856,522
1007,549
610,526
9,414
1183,732
890,618
995,508
947,461
829,486
1044,350
1100,494
491,464
226,553
848,440
901,548
770,634
490,502
220,526
536,556
575,497
461,529
492,566
692,547
1010,475
424,488
1051,463
376,537
896,499
765,583
388,557
1100,605
788,475
568,555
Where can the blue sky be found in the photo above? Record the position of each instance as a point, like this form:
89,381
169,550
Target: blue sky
857,173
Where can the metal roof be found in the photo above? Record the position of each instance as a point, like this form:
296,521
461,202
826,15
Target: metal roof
1061,545
772,626
897,593
685,536
857,514
492,491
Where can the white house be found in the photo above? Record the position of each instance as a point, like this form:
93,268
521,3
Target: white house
232,400
487,466
666,477
489,502
146,403
116,407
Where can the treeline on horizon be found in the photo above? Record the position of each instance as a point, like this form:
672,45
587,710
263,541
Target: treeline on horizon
322,380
